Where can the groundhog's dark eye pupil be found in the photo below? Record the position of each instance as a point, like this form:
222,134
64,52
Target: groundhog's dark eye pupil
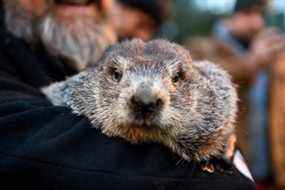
177,77
116,74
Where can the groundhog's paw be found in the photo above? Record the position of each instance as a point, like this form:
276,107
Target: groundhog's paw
208,167
220,165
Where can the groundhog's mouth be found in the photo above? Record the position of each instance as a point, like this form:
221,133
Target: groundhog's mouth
144,125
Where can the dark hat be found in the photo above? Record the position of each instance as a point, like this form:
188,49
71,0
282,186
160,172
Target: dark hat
245,4
157,9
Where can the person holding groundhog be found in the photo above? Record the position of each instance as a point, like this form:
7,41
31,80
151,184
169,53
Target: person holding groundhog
43,146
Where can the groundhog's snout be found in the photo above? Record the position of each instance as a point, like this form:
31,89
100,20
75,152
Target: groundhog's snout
145,103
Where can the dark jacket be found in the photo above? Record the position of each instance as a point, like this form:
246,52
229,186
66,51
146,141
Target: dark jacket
47,147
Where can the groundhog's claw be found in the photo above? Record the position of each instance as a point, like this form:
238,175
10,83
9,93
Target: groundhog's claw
220,165
208,167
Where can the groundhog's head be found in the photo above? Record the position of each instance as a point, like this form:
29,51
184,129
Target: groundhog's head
154,92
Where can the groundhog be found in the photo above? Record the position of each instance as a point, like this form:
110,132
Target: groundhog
154,92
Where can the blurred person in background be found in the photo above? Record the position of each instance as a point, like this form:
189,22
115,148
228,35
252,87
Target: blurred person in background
79,31
48,147
243,45
142,19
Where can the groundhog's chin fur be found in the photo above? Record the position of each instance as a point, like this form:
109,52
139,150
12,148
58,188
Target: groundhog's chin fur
188,106
178,143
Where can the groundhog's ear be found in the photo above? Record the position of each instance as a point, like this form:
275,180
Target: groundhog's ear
211,70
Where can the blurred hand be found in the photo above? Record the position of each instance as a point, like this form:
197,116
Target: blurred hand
266,47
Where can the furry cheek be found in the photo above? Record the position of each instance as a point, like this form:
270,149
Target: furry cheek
121,108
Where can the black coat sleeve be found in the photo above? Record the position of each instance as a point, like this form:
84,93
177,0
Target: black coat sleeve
47,147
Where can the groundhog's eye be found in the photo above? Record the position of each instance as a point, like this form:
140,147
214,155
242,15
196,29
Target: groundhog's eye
178,77
116,74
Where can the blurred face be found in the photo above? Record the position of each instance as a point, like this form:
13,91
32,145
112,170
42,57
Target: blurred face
75,29
247,23
134,23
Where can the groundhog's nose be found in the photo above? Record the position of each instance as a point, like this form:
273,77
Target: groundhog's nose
145,104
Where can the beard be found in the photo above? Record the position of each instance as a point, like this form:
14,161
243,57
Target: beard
80,40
